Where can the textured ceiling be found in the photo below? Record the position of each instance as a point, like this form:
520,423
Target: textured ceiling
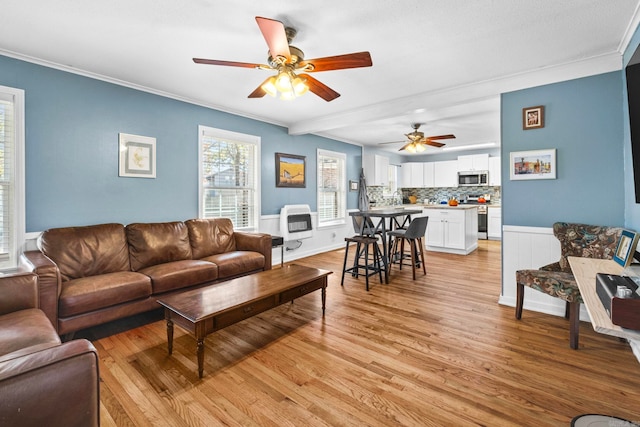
434,62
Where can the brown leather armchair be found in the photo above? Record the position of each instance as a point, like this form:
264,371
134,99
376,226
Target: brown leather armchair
42,381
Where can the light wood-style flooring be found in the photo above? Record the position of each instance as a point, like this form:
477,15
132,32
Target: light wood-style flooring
438,351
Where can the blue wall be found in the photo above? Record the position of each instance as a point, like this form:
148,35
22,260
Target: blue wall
72,127
583,122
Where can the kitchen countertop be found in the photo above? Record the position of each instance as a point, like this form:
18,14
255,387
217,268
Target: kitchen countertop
459,207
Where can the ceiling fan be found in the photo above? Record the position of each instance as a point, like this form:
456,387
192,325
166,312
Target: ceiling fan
288,61
417,140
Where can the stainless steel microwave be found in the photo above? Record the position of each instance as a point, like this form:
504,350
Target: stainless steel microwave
473,178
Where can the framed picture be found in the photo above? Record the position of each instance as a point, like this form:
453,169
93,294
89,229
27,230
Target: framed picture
137,156
290,170
626,248
353,186
533,117
536,164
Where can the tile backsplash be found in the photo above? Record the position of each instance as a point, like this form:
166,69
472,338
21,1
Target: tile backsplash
435,194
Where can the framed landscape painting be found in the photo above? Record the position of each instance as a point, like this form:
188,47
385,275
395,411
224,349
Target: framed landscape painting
536,164
290,170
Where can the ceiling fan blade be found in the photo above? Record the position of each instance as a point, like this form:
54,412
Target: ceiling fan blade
227,63
392,142
450,136
275,36
433,143
259,92
320,89
339,62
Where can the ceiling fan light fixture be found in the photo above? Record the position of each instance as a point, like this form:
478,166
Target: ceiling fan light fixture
411,148
300,86
270,87
419,147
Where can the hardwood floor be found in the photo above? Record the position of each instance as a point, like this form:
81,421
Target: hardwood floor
438,351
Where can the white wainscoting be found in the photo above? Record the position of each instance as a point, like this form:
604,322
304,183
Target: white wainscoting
323,239
529,248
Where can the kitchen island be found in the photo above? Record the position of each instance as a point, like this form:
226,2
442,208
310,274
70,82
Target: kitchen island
452,229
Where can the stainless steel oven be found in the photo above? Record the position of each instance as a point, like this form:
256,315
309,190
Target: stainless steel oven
482,222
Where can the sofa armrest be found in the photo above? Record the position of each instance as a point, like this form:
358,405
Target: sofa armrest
58,386
257,242
18,292
49,282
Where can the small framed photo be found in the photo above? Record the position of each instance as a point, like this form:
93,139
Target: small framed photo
353,186
137,156
535,164
533,117
626,248
290,170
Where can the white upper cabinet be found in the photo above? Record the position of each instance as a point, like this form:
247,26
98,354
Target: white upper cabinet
429,174
412,175
446,173
473,162
495,176
376,170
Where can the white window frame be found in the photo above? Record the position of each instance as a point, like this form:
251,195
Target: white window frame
341,217
17,197
206,131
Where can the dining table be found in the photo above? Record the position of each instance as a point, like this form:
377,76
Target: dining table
385,220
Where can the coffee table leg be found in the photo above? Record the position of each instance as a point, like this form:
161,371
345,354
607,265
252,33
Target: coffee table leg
324,296
167,315
200,353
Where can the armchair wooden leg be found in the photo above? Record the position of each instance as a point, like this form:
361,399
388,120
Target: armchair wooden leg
519,300
574,322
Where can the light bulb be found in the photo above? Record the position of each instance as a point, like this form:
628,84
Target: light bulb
270,86
300,86
283,82
411,148
420,148
287,96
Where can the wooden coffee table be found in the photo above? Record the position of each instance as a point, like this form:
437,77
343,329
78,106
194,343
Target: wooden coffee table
205,310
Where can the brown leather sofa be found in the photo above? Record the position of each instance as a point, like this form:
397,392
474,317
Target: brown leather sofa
43,382
95,274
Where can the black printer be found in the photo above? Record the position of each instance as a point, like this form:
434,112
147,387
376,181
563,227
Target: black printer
621,300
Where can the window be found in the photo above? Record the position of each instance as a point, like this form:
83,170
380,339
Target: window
332,195
229,177
11,175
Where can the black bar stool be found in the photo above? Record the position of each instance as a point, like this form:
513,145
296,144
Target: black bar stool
413,234
362,260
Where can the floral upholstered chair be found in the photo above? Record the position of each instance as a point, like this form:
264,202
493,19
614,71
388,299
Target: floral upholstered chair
556,279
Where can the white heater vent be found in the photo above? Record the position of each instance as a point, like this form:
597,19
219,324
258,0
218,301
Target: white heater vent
295,222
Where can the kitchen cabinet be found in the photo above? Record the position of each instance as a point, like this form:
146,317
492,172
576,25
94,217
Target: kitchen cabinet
494,223
429,175
473,162
452,229
446,173
495,174
412,175
376,170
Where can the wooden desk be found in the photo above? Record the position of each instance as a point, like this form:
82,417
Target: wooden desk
393,214
584,270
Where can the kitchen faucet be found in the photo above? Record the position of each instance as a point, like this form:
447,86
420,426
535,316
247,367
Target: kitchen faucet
396,200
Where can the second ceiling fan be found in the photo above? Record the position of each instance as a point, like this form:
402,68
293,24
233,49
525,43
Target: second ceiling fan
417,140
288,61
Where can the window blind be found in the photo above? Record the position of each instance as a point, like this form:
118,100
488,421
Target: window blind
331,186
228,181
7,175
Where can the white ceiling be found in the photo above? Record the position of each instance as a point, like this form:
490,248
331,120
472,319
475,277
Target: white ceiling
443,63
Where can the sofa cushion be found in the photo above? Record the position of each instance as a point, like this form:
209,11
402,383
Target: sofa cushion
93,293
236,263
86,251
25,329
210,236
179,274
157,243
